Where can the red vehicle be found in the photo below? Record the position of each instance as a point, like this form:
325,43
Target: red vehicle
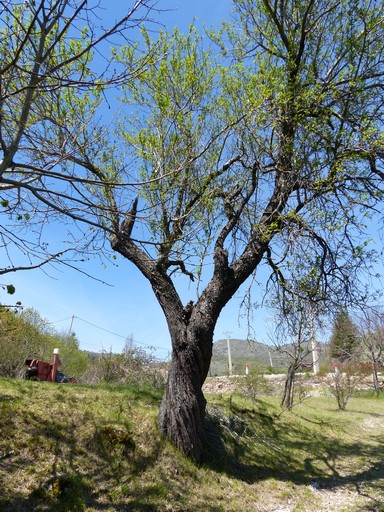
43,371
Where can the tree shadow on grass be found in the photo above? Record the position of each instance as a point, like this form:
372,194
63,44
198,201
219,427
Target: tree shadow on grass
258,443
73,468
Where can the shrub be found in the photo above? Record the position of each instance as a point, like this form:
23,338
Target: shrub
133,367
344,381
253,385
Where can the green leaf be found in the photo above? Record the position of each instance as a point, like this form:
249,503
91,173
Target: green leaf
11,289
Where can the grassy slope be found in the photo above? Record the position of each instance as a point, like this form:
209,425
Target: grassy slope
77,448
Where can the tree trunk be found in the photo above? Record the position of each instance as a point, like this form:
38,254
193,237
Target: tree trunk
375,377
289,388
182,411
191,327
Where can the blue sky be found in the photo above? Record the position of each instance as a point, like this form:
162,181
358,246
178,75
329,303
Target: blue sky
102,316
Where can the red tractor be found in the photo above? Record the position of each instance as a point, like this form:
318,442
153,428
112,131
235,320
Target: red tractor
43,371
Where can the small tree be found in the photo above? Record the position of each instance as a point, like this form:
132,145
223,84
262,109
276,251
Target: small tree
344,338
300,302
75,361
343,383
371,333
292,336
253,384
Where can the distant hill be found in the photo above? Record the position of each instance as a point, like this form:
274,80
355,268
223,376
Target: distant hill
256,355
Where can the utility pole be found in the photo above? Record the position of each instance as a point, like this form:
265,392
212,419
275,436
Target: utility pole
70,327
315,353
228,334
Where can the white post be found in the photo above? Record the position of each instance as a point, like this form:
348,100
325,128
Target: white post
315,357
315,352
229,353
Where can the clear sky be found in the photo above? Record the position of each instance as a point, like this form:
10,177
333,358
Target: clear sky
102,316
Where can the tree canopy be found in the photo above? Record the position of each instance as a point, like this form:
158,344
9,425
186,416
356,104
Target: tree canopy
55,65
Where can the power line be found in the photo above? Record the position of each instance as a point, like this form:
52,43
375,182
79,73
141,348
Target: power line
118,335
62,320
106,330
98,327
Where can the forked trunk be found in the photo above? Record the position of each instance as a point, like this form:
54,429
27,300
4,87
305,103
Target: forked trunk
182,411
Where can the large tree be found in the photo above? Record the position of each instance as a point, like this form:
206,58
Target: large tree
267,143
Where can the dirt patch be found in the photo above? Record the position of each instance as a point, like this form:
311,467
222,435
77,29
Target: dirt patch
373,424
220,384
335,501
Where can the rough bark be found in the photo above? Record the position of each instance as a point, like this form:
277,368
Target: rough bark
182,411
289,388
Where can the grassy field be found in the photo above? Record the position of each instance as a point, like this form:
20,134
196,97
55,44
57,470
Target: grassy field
78,448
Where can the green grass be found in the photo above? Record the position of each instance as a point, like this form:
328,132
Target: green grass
97,449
